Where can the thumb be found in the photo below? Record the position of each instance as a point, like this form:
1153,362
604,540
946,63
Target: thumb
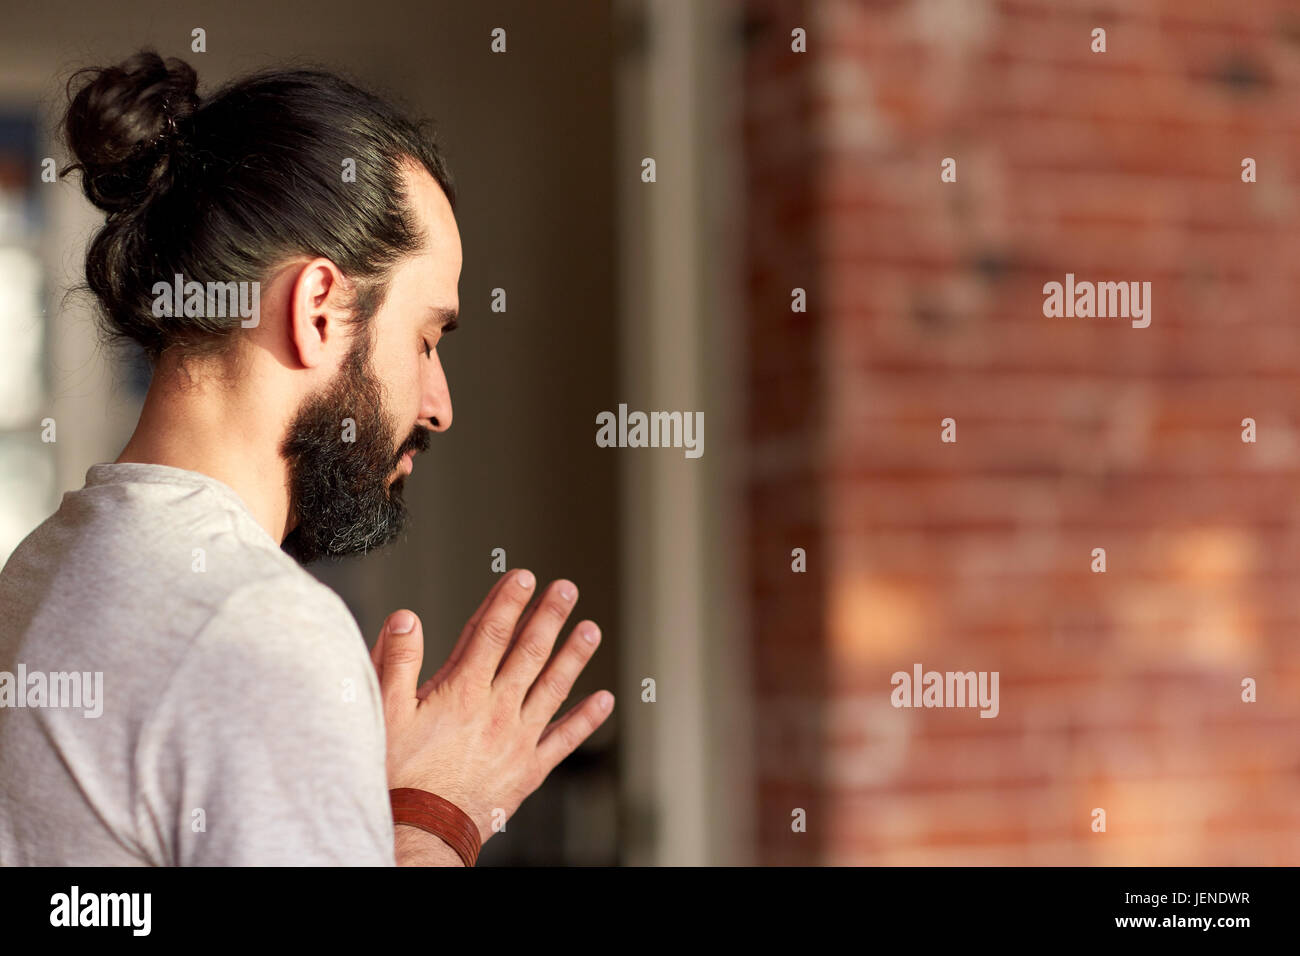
400,653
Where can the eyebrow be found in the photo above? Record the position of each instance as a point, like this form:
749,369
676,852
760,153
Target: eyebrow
445,317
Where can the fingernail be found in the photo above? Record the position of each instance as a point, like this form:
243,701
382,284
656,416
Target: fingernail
591,634
606,700
566,592
525,579
401,623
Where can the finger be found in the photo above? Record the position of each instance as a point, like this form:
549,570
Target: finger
529,611
534,638
471,624
552,687
456,652
487,642
527,616
403,655
565,735
459,649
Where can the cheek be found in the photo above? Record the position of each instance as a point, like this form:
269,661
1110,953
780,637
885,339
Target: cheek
400,376
405,392
414,387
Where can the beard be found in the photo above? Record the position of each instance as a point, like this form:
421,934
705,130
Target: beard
340,494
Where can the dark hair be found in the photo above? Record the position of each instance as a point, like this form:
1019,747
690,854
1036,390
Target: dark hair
226,189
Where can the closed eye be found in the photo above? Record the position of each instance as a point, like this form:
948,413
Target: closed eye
427,350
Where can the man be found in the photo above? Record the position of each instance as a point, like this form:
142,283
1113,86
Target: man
241,720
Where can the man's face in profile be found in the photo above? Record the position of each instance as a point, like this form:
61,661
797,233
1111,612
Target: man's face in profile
347,447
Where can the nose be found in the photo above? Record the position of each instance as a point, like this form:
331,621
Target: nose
435,399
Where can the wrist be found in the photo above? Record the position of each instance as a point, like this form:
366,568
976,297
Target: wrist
415,847
422,810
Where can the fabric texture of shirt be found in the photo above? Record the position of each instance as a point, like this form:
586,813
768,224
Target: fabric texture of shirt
240,722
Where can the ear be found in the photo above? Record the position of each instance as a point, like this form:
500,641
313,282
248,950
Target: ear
317,309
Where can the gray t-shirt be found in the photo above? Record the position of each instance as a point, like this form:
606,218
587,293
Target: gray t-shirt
239,719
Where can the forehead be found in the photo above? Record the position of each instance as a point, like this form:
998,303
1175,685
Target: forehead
441,259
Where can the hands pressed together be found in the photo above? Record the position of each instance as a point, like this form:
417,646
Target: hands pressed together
479,732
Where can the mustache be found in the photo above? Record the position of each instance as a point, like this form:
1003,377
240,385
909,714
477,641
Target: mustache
417,442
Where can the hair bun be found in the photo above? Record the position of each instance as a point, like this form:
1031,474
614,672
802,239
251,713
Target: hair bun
124,123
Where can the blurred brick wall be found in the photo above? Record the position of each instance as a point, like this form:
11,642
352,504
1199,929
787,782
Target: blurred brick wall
1119,690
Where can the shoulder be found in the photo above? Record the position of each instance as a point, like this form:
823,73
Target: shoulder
280,623
288,597
271,724
280,669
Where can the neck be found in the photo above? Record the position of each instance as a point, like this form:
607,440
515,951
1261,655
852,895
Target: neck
201,425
